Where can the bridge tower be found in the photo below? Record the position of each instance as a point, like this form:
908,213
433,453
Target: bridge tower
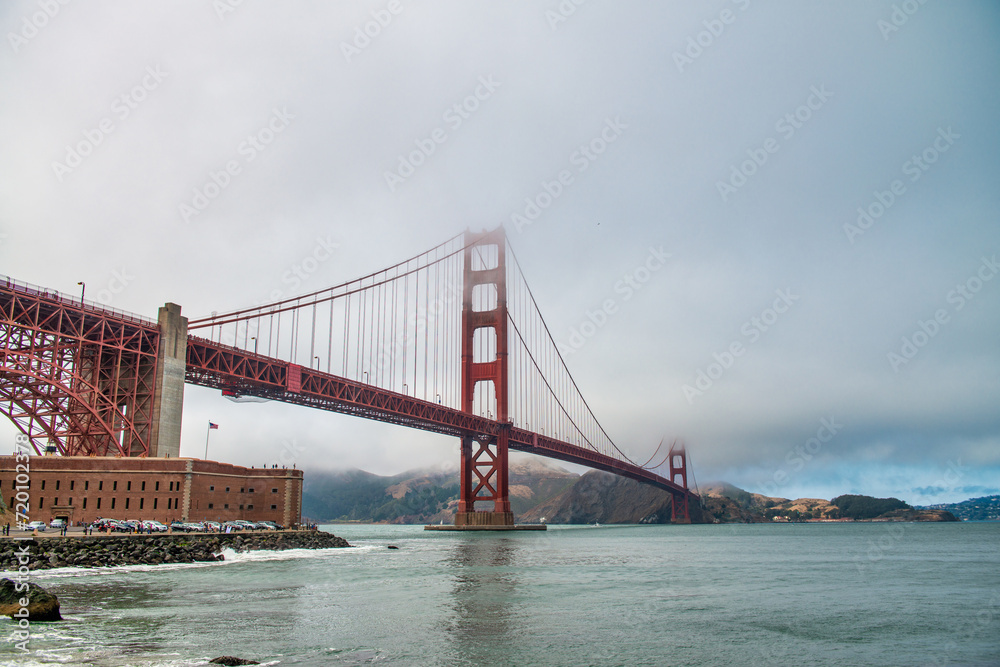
679,510
484,312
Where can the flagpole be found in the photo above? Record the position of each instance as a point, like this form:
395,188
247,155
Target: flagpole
208,432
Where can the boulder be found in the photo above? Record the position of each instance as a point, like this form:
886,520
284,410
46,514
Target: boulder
42,605
230,660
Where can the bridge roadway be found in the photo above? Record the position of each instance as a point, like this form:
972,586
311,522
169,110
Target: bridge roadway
28,314
211,364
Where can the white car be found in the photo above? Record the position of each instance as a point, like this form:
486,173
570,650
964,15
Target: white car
58,524
36,525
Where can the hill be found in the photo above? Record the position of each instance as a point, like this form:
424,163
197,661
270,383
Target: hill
356,495
540,491
986,508
599,497
418,496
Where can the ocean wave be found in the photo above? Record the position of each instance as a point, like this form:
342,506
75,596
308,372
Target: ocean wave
94,656
231,556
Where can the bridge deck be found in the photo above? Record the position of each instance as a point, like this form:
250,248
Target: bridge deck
212,364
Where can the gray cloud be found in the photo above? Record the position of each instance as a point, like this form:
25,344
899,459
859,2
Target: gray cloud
658,184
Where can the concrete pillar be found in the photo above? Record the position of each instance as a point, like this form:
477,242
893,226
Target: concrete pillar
185,517
171,363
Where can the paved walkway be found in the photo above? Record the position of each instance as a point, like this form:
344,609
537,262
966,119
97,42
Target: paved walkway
81,532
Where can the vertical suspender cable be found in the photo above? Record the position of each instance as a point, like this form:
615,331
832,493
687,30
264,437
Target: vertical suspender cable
406,341
312,341
329,351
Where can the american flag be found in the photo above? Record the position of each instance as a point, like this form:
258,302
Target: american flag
212,426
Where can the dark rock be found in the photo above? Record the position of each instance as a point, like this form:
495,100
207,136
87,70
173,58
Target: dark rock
42,605
392,546
230,660
124,550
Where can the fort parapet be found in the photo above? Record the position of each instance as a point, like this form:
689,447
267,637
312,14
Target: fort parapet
85,488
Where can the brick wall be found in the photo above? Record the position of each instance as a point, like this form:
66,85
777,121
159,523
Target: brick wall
85,488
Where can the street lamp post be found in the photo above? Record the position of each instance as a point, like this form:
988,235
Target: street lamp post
83,290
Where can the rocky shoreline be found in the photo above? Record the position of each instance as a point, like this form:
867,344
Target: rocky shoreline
114,550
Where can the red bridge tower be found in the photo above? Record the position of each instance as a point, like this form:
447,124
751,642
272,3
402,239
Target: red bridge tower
484,310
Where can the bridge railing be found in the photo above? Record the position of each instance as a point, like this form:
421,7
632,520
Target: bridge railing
54,295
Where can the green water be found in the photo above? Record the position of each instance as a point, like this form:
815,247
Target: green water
790,594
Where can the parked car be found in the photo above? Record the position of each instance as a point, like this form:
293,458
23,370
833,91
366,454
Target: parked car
110,525
269,525
212,525
195,527
154,526
232,525
57,524
36,525
178,526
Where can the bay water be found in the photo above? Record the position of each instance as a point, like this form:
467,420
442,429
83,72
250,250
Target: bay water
782,594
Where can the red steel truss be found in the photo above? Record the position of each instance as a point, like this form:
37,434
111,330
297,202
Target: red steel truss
211,364
84,377
75,375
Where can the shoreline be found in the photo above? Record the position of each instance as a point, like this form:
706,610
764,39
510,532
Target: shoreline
96,551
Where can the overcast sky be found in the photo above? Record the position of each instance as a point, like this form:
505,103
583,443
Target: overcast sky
740,137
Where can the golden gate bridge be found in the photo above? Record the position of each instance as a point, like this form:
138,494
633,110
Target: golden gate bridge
450,341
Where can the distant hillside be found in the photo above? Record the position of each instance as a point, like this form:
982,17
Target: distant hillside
356,495
866,507
600,497
532,482
986,508
418,496
749,501
541,491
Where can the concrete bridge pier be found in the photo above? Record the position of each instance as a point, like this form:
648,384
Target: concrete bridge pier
171,363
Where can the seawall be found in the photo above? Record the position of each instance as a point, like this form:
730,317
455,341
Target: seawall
114,550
